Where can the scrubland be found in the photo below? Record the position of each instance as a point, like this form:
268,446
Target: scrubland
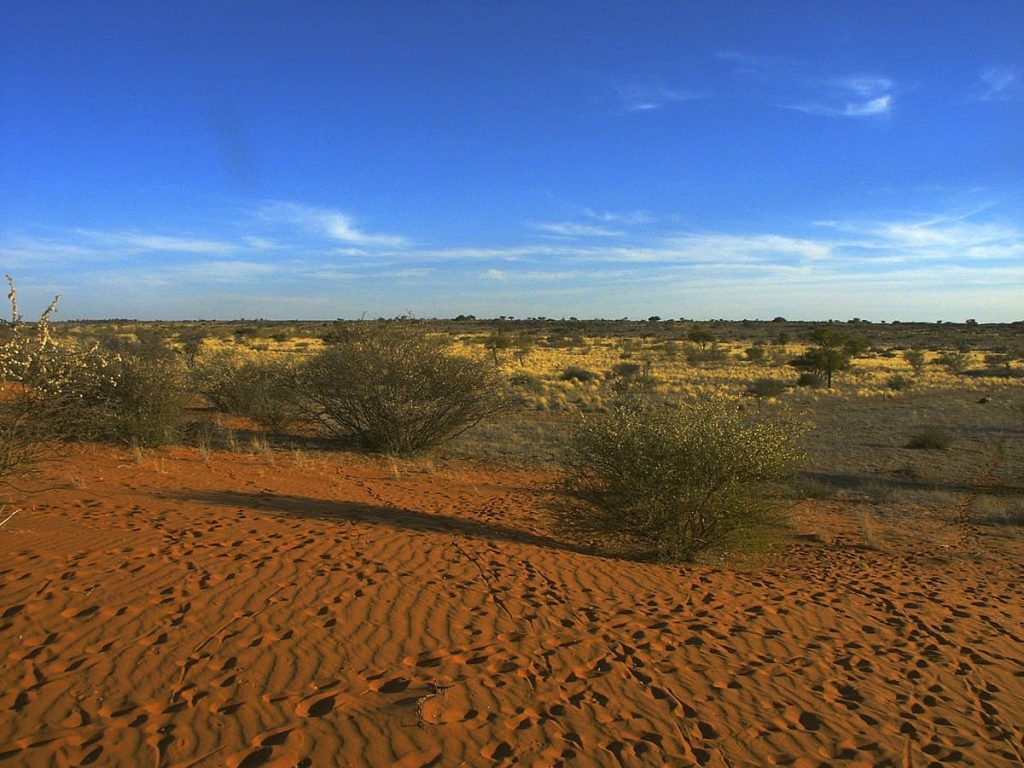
244,589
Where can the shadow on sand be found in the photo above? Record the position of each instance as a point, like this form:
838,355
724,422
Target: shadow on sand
391,517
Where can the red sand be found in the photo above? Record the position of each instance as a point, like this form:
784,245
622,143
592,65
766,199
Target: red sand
178,613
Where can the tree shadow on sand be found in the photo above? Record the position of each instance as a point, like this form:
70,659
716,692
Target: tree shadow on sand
391,517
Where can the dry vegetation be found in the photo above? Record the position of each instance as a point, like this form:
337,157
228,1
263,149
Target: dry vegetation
458,606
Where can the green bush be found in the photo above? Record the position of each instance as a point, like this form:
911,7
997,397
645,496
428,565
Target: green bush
575,373
915,358
767,388
899,383
394,388
670,482
810,379
930,439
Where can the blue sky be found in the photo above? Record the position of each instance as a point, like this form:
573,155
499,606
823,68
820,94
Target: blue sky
685,159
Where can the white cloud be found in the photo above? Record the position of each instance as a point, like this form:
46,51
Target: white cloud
571,229
870,108
1000,84
150,242
865,85
942,238
789,86
613,217
647,97
260,243
329,223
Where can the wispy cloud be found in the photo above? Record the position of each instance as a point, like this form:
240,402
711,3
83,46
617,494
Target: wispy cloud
1000,84
572,229
616,217
153,242
650,97
332,224
949,238
786,84
869,108
854,96
821,265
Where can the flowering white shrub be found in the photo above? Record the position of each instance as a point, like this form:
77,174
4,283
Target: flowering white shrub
50,374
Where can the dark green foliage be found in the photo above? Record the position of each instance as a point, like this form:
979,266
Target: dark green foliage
394,388
757,354
767,388
702,337
667,483
955,361
930,439
915,359
576,373
831,352
899,383
696,354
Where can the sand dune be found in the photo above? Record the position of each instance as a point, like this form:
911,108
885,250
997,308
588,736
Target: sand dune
345,611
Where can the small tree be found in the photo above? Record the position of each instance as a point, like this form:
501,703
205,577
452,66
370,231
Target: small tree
394,388
701,337
498,341
668,483
955,361
829,354
915,358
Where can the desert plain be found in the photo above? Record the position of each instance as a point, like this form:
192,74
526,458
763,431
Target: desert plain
272,601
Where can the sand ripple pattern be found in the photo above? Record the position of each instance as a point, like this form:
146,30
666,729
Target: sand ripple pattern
173,613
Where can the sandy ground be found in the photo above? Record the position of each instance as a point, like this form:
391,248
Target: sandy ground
298,611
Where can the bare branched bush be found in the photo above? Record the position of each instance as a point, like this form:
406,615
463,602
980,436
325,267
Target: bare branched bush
262,390
394,388
670,482
145,405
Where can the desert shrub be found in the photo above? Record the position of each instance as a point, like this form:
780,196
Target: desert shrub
955,361
915,358
767,388
55,384
130,399
810,379
757,354
527,382
899,383
143,403
930,439
632,379
27,353
261,389
625,370
576,373
695,354
670,482
395,388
